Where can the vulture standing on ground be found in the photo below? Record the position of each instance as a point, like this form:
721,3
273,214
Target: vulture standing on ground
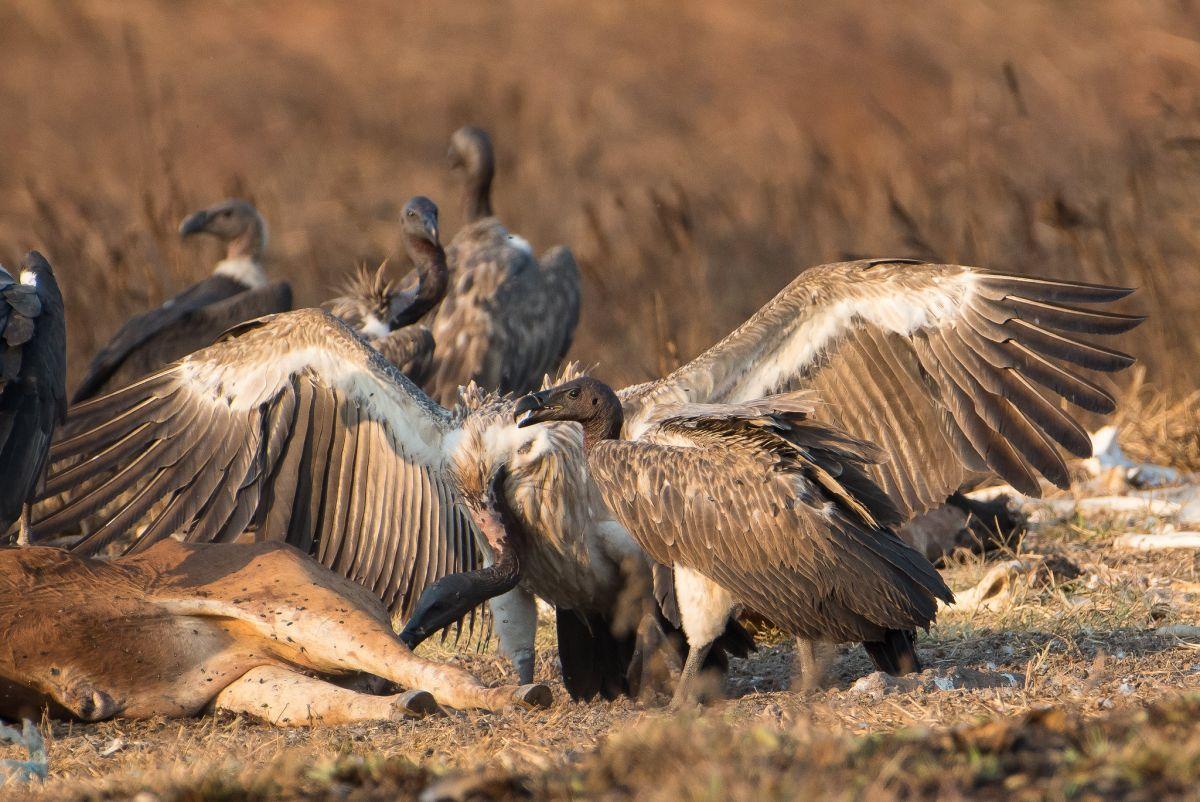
508,319
758,505
238,290
385,316
33,383
292,425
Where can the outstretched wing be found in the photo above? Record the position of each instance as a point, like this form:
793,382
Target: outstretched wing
186,323
508,320
289,426
953,371
33,395
775,508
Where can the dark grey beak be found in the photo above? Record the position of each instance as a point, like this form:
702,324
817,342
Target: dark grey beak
194,224
535,409
431,227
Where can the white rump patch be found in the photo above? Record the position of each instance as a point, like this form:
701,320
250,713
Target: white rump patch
373,328
242,269
28,278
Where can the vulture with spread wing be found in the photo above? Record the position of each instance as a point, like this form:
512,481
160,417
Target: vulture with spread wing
759,505
294,428
33,383
508,318
238,290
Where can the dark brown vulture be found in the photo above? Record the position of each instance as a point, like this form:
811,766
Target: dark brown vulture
508,318
386,316
33,383
237,290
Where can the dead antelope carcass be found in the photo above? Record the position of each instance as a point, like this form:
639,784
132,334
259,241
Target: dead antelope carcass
180,629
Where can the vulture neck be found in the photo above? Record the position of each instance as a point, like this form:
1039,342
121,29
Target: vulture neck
250,244
477,198
604,425
433,279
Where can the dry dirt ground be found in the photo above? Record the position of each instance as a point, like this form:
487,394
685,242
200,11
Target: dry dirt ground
1083,681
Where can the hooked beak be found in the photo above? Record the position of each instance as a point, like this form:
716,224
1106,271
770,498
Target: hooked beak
535,407
454,159
194,223
431,228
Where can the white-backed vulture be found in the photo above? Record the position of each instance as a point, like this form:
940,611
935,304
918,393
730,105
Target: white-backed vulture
756,505
508,318
387,317
33,383
237,290
295,427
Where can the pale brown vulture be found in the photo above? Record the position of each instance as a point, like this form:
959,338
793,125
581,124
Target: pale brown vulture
237,290
33,383
508,318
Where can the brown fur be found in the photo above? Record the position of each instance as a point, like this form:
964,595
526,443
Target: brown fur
181,628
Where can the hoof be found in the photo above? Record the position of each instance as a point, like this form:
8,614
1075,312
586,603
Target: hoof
415,704
534,695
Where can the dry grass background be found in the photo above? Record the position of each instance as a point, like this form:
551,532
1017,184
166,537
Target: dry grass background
695,155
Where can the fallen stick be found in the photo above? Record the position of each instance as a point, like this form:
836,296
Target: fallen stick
1170,540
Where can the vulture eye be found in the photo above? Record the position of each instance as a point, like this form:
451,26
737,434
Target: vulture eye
573,392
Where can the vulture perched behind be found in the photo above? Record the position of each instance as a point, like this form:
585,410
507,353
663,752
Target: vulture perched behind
293,427
33,383
238,290
387,317
508,318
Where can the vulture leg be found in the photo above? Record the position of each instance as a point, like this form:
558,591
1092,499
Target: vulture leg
813,659
515,618
288,698
684,691
25,534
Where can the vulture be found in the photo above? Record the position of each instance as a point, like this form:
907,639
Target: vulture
292,427
387,317
33,383
508,318
237,290
756,504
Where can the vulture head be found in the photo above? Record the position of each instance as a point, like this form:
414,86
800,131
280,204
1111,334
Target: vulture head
235,222
471,154
585,400
419,222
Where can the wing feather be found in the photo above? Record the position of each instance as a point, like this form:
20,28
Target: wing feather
290,427
954,371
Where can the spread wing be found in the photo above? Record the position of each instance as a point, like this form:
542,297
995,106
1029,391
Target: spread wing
188,322
290,426
777,509
508,320
33,395
954,371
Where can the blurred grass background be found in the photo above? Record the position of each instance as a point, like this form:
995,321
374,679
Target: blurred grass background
695,155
